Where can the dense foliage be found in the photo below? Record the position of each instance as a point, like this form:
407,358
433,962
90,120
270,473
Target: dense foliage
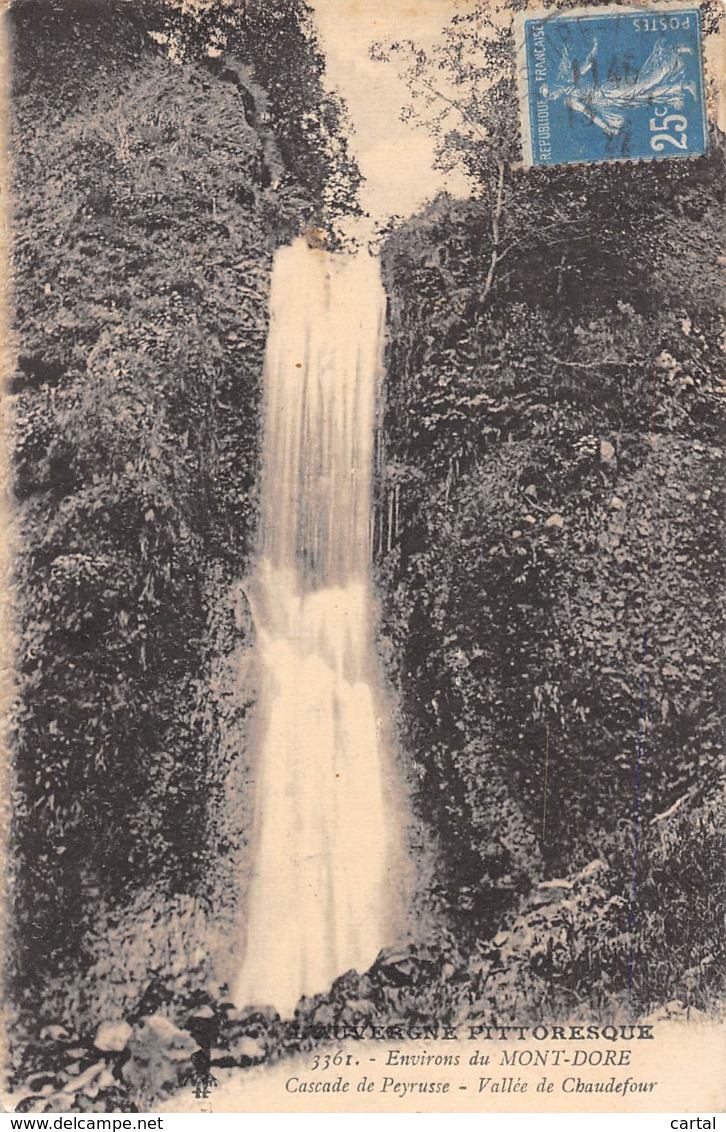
150,191
547,533
278,43
551,521
553,584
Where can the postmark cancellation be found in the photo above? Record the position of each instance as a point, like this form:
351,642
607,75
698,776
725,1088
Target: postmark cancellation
611,83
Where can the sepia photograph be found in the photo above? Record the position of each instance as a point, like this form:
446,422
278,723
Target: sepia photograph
363,629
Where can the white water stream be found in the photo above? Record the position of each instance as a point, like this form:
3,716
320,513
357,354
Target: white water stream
325,823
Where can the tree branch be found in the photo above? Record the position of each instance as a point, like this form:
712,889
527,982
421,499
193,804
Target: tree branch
496,221
594,365
452,102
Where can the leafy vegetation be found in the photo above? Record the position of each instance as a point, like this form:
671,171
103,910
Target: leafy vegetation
551,519
548,535
152,182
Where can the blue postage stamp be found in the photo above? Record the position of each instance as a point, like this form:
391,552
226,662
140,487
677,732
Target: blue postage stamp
611,84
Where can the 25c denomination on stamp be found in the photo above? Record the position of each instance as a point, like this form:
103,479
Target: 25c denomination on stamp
611,84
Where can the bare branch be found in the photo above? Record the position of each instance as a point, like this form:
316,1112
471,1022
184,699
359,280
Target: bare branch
671,810
496,221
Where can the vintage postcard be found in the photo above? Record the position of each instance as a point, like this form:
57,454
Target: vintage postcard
363,444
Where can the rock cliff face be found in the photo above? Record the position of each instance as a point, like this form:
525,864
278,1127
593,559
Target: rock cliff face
150,192
549,558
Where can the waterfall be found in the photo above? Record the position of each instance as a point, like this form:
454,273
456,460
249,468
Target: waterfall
323,852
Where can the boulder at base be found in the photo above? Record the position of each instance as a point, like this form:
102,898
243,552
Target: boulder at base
159,1052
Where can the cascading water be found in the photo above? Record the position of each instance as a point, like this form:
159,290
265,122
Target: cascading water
325,826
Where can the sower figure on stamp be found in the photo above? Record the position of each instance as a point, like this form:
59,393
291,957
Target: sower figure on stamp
660,80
